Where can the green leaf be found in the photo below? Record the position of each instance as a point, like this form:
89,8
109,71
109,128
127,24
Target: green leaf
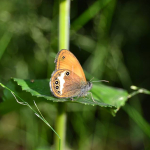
104,96
110,95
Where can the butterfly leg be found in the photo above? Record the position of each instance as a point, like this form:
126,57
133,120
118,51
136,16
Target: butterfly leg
71,98
92,97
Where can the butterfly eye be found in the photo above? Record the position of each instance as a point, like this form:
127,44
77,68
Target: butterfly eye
63,57
56,82
57,87
58,91
67,73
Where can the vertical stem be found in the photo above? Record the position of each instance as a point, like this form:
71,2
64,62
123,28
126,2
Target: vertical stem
64,20
60,126
64,24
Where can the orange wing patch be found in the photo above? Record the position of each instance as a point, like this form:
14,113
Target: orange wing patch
65,83
66,60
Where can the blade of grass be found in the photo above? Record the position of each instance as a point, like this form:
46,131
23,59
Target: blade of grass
4,41
138,119
96,61
35,112
88,14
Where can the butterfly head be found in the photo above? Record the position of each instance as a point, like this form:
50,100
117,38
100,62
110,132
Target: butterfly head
85,88
89,85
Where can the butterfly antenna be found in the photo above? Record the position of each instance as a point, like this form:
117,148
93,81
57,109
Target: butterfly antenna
100,81
92,78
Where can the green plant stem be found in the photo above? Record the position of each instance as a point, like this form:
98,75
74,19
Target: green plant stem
61,126
64,16
64,24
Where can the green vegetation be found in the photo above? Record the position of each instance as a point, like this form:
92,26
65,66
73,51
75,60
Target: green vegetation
111,40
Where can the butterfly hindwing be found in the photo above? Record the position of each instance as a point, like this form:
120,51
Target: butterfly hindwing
65,83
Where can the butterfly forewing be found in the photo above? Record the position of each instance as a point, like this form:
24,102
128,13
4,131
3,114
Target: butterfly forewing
66,60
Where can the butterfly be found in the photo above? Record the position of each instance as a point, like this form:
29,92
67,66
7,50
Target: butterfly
68,80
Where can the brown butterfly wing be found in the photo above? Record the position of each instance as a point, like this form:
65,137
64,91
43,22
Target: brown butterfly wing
72,84
66,60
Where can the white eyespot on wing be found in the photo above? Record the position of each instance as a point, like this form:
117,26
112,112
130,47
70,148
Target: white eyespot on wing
62,81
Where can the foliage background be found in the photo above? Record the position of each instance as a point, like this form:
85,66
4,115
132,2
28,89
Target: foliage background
112,45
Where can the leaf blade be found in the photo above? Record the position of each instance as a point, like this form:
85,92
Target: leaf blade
104,96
